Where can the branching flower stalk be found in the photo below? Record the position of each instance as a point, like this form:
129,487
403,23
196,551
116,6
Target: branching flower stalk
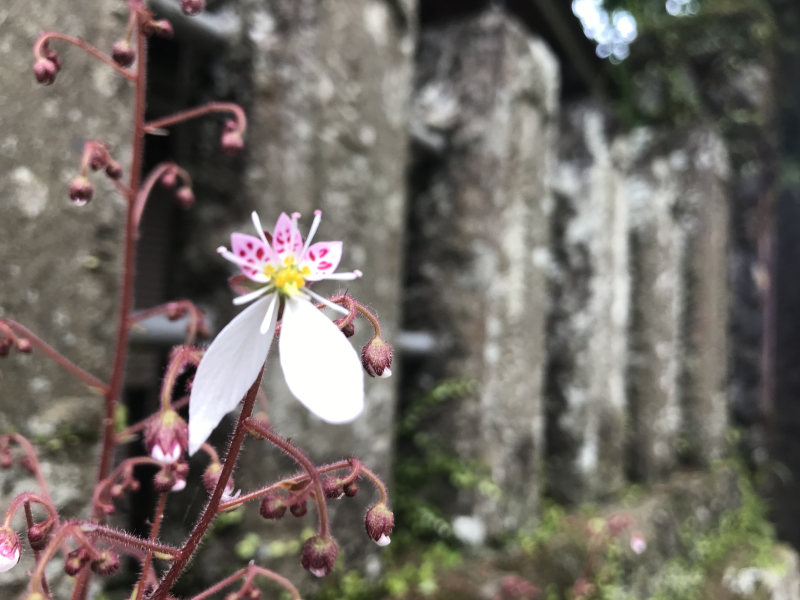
278,270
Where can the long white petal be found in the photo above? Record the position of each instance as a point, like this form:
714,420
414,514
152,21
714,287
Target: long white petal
259,228
311,232
239,300
228,369
342,276
326,302
321,367
268,324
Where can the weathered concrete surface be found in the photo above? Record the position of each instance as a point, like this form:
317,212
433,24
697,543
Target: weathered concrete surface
657,248
705,220
58,263
588,323
485,106
327,130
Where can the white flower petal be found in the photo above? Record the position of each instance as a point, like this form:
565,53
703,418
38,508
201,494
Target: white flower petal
384,540
228,369
326,302
268,324
8,562
239,300
321,367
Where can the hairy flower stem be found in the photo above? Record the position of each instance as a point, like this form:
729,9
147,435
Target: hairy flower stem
210,511
304,461
126,291
159,514
251,572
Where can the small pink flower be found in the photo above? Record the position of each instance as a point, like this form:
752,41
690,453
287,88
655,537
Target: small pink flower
321,367
638,543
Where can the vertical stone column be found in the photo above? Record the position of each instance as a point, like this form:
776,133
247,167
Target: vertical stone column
485,103
59,264
679,349
328,122
657,244
587,329
705,219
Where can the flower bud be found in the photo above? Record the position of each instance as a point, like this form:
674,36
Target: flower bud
45,71
164,480
232,143
332,488
376,357
107,563
211,478
167,437
52,56
26,463
299,509
185,197
98,158
81,190
351,489
161,28
10,548
5,347
379,524
123,54
251,593
6,459
169,179
75,561
113,169
348,330
37,534
319,555
272,507
24,345
193,7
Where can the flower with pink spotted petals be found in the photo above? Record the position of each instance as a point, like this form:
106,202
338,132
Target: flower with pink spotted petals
321,367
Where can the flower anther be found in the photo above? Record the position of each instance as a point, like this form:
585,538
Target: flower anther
320,365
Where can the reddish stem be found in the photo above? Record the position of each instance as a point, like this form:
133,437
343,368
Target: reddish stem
159,514
147,187
46,37
249,572
126,291
210,511
55,355
30,453
123,436
193,113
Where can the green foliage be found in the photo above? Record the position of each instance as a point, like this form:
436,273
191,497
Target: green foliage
424,463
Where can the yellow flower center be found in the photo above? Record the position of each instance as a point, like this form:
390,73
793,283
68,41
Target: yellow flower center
288,278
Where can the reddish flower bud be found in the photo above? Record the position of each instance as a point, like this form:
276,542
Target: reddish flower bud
10,549
181,469
26,463
75,561
232,143
379,524
107,563
81,190
272,507
299,509
98,158
514,587
123,54
167,437
169,179
193,7
5,347
37,534
376,357
350,489
230,125
161,28
349,330
251,593
45,71
185,197
6,460
332,488
164,480
52,56
24,345
211,478
113,169
319,555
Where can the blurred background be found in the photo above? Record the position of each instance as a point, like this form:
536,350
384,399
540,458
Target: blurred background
576,221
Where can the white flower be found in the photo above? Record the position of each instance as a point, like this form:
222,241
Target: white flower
321,367
9,549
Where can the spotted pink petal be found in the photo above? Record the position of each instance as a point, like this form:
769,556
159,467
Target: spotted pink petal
322,258
252,250
281,237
